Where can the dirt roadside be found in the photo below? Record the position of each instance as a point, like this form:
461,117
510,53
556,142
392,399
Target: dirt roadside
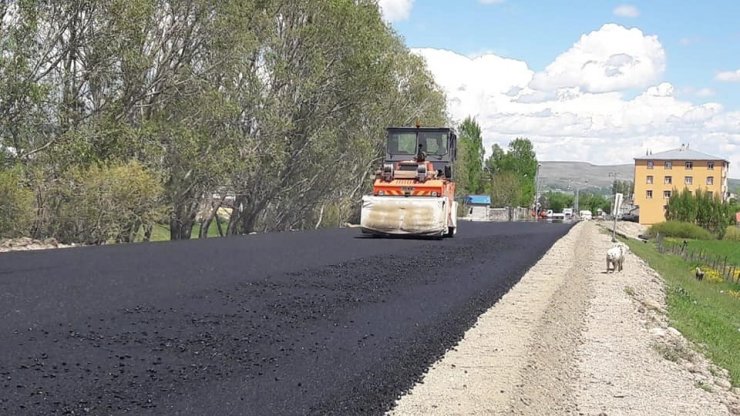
25,244
570,339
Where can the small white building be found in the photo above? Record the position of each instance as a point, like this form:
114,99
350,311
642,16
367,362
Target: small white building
476,207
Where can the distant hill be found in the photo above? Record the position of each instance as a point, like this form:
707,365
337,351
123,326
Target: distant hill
567,176
734,185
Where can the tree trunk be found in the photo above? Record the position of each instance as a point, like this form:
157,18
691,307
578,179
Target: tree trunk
218,225
148,232
182,221
206,223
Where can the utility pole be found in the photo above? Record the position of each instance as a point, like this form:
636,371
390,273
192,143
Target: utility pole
617,203
614,175
577,208
536,191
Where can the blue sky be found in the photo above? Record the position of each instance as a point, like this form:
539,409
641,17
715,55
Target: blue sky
586,80
700,38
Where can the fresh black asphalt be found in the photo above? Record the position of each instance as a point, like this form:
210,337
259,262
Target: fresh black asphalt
323,322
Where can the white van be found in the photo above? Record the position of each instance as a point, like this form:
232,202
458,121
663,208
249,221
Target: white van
585,215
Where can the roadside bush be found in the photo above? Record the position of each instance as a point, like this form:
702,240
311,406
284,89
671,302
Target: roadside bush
17,207
679,229
732,233
97,205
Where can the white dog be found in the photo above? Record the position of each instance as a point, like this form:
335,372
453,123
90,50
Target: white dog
615,257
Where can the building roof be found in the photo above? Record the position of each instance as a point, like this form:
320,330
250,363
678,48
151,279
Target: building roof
680,154
478,200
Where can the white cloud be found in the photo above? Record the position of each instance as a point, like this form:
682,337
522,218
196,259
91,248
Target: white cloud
395,10
491,1
589,119
705,92
729,76
612,58
626,10
697,92
688,41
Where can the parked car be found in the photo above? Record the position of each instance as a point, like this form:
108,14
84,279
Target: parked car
585,215
630,216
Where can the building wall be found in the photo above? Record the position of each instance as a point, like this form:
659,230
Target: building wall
652,210
478,213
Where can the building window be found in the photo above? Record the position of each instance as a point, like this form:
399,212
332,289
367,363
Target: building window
649,194
668,164
689,165
668,180
689,180
649,164
710,180
666,194
710,165
649,180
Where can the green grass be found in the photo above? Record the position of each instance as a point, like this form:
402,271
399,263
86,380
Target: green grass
718,248
705,315
732,233
161,232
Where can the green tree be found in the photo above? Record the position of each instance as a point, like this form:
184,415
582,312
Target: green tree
519,160
506,190
593,202
469,169
701,208
16,210
282,103
556,201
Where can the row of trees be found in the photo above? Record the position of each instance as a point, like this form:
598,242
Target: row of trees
626,188
701,208
280,102
507,175
556,201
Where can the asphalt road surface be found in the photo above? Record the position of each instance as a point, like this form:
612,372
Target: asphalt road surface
324,322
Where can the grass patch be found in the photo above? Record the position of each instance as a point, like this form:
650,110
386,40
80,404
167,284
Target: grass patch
704,312
718,248
679,229
732,233
161,232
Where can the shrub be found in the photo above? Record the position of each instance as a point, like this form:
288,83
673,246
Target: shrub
732,233
17,208
712,275
680,229
103,204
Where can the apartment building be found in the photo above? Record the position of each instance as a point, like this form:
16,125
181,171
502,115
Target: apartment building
659,175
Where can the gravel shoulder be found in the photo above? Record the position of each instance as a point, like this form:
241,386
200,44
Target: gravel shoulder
570,339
